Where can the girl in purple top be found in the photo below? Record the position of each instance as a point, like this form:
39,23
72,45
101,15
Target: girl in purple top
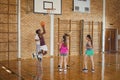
63,53
43,46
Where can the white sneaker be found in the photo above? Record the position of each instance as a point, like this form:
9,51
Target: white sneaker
39,57
93,70
85,70
33,55
60,69
65,70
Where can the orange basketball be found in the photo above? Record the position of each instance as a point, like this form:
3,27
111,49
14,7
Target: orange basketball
42,23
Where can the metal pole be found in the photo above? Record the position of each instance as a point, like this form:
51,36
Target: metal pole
52,68
103,66
103,28
103,40
19,29
52,35
19,70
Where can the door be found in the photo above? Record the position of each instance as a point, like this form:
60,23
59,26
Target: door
110,41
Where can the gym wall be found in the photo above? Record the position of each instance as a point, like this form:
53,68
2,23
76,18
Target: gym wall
8,30
30,22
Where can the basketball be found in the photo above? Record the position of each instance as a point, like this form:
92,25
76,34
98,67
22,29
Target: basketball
42,23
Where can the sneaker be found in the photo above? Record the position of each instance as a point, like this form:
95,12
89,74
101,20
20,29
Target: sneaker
39,57
65,70
39,52
58,66
68,66
60,69
33,55
93,70
85,70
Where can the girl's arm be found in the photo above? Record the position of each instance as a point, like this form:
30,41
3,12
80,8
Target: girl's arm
59,43
37,40
44,31
67,44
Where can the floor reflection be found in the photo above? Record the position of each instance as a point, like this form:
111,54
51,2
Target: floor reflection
52,68
107,67
103,66
117,61
39,71
19,70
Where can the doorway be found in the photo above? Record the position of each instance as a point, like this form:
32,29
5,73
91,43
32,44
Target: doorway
110,40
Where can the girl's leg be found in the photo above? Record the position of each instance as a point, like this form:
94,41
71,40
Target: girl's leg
92,61
60,63
68,66
37,50
65,62
85,69
85,61
40,55
45,50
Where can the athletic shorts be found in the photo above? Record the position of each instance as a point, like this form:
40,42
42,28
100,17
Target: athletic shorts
63,54
44,48
89,52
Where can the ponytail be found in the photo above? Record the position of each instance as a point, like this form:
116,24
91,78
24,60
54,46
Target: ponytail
64,40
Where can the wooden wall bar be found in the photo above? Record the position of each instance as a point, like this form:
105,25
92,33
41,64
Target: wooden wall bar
8,30
81,29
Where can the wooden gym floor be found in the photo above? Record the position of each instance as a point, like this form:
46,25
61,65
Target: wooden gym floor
47,69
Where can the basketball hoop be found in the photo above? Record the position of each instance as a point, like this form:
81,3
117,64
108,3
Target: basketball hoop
50,10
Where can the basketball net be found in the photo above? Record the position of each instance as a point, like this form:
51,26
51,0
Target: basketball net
50,11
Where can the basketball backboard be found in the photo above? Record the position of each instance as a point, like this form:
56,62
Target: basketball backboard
48,6
82,6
